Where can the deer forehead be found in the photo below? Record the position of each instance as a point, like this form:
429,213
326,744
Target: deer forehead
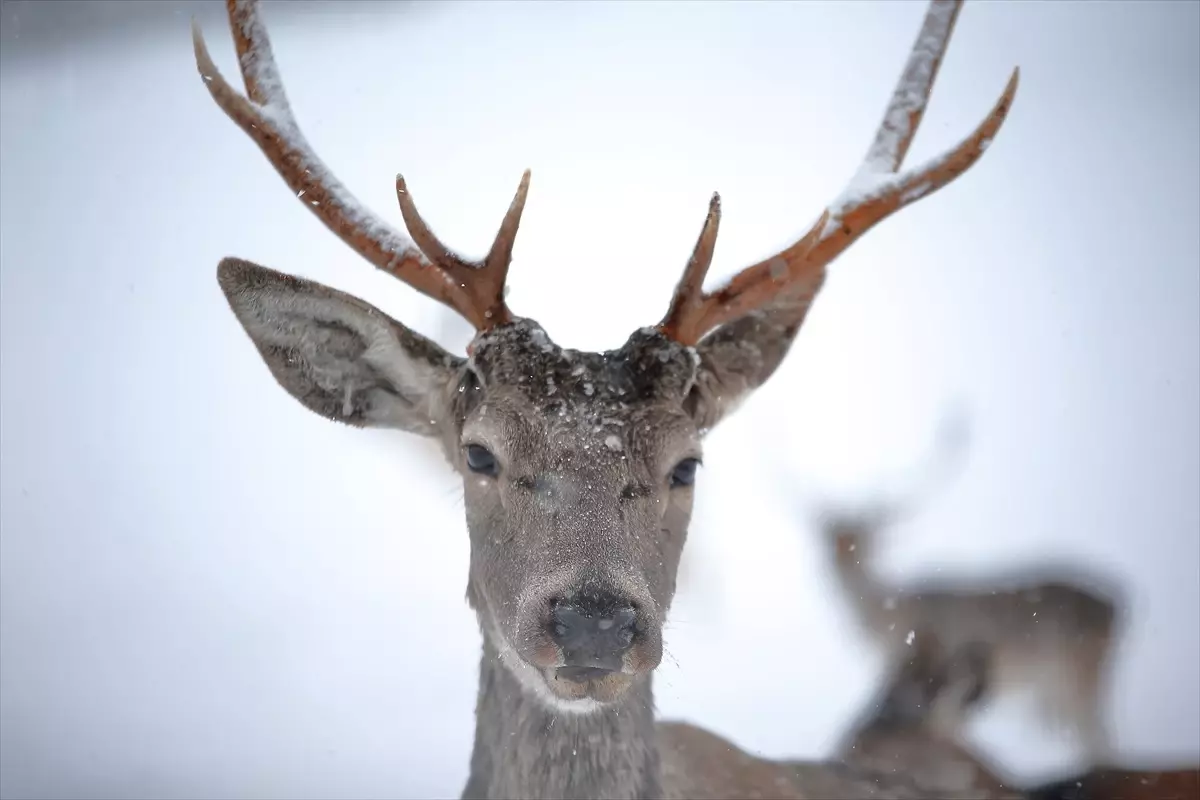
648,366
607,407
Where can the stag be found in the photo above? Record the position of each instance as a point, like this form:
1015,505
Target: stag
578,468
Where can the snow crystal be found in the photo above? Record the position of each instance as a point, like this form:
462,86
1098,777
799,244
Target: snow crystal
915,193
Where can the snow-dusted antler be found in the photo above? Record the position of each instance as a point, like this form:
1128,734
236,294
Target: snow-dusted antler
876,191
474,290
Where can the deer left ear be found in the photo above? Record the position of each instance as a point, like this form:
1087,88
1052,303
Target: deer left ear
340,356
739,356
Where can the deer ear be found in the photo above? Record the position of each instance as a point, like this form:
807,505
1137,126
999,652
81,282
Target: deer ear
739,356
339,356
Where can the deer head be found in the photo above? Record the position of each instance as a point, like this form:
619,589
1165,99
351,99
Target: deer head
914,726
936,687
578,468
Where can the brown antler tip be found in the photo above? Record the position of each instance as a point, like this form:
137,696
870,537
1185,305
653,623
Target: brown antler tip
401,186
1013,81
522,191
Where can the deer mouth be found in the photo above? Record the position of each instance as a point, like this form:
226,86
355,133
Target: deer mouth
588,683
581,674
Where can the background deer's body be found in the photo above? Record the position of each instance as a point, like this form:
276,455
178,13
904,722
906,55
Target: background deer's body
1053,630
578,468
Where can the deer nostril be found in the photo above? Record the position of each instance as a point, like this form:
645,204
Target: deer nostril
592,633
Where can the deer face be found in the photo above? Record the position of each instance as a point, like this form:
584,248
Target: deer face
578,472
577,468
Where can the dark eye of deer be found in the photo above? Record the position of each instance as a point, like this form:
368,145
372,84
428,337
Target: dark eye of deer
684,473
480,460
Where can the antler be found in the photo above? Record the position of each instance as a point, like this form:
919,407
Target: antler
473,289
876,191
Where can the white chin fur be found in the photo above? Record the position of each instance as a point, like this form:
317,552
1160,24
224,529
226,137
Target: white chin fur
533,681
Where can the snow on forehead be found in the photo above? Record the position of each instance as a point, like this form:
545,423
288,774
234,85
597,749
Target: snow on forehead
648,367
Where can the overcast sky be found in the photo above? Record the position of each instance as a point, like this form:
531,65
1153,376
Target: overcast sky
208,591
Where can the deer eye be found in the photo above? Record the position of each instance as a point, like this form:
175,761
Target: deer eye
684,473
480,460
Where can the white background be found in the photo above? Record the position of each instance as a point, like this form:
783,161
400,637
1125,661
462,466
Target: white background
208,591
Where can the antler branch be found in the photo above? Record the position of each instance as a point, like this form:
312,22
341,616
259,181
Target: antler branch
476,291
877,190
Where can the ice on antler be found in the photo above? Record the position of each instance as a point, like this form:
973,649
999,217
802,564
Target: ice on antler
789,279
876,191
474,290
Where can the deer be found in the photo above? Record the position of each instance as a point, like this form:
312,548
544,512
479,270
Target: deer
914,723
579,468
1050,628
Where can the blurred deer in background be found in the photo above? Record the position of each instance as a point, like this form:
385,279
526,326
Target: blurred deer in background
1053,630
578,468
914,724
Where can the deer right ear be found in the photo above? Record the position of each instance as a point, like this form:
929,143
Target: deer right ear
739,357
339,356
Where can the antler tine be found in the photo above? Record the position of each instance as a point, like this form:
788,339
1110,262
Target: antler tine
875,192
483,280
500,256
690,293
430,245
265,115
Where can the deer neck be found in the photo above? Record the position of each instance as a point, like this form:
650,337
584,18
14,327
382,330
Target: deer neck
523,749
875,602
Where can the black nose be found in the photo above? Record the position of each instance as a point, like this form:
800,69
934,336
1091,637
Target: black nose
593,631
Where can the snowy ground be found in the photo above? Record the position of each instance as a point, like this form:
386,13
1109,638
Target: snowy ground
209,591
